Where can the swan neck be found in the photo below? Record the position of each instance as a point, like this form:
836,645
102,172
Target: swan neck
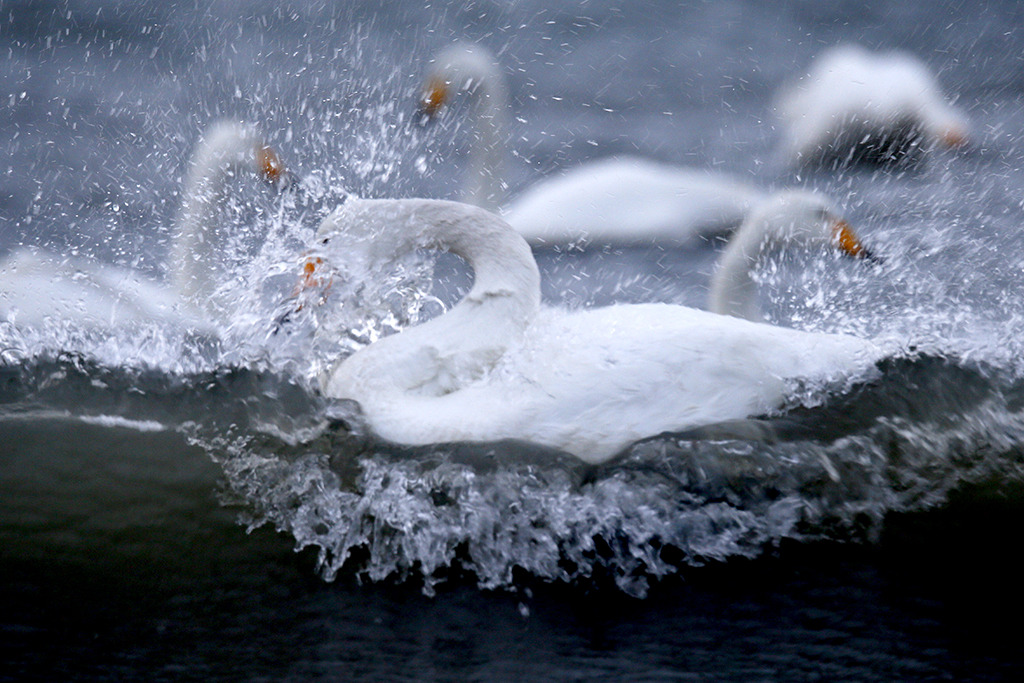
197,239
504,269
485,186
465,342
733,290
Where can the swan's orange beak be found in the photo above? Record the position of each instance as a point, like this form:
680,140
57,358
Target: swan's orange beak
846,239
271,168
315,276
954,137
434,97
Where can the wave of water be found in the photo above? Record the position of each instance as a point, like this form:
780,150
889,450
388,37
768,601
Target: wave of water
493,510
504,512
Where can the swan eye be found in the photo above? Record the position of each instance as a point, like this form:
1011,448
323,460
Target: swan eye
325,240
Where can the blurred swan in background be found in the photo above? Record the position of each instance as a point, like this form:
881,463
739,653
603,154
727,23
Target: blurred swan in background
590,382
39,287
855,105
787,219
620,201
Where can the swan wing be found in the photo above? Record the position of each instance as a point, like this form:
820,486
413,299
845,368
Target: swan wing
624,373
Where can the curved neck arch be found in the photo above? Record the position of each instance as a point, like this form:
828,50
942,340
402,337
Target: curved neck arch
441,355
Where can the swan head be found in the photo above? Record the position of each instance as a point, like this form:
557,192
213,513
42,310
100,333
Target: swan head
239,147
377,230
802,218
461,67
784,220
362,233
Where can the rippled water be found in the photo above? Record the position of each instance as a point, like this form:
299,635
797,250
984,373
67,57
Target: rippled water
155,485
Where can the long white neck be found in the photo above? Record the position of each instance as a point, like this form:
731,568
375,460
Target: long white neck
485,186
441,355
471,69
194,246
733,290
197,242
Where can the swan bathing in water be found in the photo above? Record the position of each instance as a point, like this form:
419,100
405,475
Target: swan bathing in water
855,104
589,382
39,287
620,201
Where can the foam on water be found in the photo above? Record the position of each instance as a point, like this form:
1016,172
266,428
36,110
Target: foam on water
505,511
118,421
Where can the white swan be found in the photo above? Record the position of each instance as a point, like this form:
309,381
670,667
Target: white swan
589,382
854,104
38,287
622,200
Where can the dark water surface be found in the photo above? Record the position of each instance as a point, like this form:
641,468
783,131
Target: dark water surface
171,588
179,508
164,585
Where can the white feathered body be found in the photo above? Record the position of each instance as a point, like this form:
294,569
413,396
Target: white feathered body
592,382
852,98
628,200
39,288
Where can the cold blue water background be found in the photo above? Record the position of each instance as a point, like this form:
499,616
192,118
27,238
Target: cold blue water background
153,491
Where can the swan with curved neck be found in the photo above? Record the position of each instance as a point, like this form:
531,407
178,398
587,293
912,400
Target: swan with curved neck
227,148
589,382
38,287
786,219
856,105
621,200
445,353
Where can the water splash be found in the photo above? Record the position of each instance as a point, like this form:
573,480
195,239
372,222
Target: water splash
500,512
